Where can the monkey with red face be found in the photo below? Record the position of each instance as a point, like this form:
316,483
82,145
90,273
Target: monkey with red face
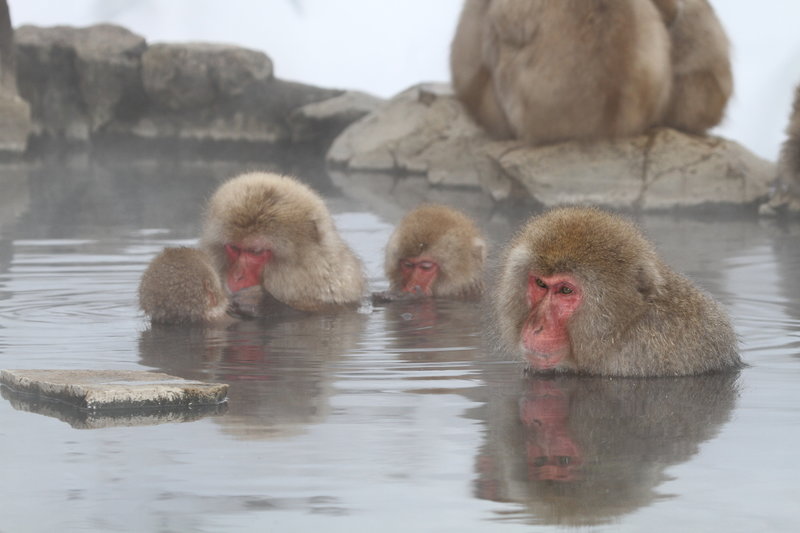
582,290
271,238
435,251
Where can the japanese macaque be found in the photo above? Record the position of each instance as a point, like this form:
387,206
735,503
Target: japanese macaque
273,235
436,251
180,286
787,194
582,290
702,81
545,71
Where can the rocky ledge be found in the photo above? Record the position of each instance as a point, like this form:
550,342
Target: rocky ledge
425,131
83,85
105,81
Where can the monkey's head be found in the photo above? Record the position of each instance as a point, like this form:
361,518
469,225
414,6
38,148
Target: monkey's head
180,286
436,251
261,223
572,278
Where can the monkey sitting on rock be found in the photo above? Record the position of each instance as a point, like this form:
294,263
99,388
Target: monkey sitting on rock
547,71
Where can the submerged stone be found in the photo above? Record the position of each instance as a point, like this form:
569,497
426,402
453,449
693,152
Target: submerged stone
114,389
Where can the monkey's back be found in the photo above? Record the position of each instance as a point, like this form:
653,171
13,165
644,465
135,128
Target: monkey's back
683,331
174,288
573,69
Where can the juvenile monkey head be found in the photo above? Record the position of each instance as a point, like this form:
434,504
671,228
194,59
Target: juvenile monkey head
181,286
272,231
570,276
436,251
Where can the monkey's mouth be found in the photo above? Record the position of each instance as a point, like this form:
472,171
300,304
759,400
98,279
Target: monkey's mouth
552,360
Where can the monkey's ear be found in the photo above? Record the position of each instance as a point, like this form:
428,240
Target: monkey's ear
649,280
479,249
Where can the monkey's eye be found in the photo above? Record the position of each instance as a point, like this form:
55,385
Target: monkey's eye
426,265
565,290
406,264
541,283
232,250
257,251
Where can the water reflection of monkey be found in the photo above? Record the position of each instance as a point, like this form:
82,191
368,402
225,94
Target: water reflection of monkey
582,451
435,330
278,372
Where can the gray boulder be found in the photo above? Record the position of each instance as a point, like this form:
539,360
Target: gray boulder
15,121
104,81
194,75
663,169
425,131
217,92
78,80
326,119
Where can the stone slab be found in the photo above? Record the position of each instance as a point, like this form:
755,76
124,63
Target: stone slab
107,418
92,390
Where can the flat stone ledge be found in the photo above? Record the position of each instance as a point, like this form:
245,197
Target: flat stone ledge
92,390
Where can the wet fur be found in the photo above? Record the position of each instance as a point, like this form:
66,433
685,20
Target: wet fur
448,237
181,286
638,317
312,268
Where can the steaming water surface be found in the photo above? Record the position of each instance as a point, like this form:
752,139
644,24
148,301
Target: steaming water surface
394,418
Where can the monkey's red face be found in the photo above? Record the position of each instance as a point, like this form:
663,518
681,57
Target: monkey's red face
552,300
246,262
418,274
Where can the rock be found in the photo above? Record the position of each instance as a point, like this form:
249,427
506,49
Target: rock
203,91
661,170
258,115
423,130
107,60
114,389
104,81
15,120
78,79
192,75
105,418
323,121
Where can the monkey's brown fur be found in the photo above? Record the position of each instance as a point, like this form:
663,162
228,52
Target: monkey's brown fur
637,318
471,76
546,71
789,160
702,81
448,237
562,70
180,286
311,267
